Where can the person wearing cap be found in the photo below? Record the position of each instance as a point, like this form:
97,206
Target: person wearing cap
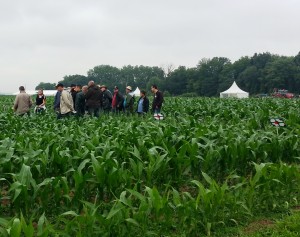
128,101
93,99
157,100
22,103
66,102
117,101
106,99
143,103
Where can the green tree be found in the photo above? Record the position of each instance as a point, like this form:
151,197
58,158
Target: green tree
45,86
74,79
108,75
209,74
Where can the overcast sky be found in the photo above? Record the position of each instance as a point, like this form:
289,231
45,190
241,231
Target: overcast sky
44,40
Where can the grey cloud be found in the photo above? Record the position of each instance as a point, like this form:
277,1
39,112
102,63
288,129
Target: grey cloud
45,40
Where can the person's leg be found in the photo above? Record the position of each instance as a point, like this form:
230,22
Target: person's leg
90,111
97,112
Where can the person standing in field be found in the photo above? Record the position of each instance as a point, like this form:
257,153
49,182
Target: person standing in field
66,102
40,102
73,92
93,99
80,101
143,104
128,101
106,99
22,102
56,102
117,101
157,100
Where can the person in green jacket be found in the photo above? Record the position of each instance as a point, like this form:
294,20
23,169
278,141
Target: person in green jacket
128,101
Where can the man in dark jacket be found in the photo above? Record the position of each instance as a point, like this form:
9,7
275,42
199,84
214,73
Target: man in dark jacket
93,99
73,92
143,104
157,100
117,101
80,101
56,102
106,99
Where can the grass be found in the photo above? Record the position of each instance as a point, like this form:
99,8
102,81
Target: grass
275,225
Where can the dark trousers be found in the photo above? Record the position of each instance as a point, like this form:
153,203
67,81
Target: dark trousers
94,112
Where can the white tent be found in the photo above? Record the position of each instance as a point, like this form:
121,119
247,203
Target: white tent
34,92
136,92
234,91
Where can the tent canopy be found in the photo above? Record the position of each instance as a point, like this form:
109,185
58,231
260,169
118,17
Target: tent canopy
34,92
234,91
136,92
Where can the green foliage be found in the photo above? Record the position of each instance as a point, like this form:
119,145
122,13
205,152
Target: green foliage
45,86
210,164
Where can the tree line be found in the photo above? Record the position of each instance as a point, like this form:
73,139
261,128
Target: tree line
258,74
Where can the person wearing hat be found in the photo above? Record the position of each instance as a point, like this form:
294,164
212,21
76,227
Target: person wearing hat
106,99
128,101
117,101
66,102
22,103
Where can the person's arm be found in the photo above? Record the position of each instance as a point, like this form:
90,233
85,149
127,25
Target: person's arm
44,101
15,107
30,102
146,105
159,99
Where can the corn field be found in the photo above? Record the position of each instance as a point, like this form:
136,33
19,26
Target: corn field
209,164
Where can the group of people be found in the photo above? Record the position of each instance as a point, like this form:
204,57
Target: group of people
23,102
90,99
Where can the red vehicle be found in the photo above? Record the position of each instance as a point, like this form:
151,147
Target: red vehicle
282,94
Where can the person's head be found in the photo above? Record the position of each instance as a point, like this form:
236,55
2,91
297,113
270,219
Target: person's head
103,88
116,89
91,83
85,89
78,88
143,93
154,88
40,92
21,88
60,87
128,89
